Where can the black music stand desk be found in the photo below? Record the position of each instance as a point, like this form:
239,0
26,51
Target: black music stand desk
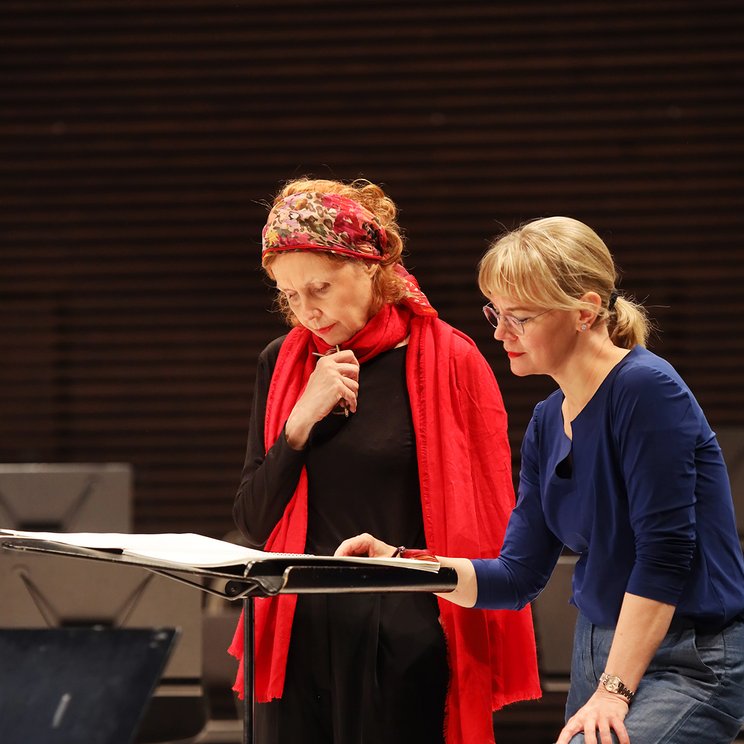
263,577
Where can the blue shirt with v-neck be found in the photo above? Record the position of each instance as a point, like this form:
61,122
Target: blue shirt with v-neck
640,493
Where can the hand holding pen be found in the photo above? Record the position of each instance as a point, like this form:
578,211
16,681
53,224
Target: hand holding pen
332,387
342,407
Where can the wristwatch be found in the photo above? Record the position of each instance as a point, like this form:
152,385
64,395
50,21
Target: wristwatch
614,684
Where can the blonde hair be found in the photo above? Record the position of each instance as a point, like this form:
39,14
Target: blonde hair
552,263
387,286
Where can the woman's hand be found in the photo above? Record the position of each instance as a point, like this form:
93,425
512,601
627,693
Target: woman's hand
604,712
335,379
365,545
642,625
464,594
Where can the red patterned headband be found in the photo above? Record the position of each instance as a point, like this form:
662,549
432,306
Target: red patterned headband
312,221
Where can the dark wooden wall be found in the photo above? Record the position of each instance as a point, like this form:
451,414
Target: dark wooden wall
140,139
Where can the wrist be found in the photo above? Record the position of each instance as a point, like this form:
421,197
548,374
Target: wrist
297,432
613,684
420,555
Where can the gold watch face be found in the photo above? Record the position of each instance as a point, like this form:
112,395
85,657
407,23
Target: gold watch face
612,684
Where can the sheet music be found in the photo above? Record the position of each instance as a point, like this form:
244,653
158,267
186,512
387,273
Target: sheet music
197,551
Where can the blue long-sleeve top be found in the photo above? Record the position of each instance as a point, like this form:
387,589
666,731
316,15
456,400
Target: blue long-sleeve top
640,493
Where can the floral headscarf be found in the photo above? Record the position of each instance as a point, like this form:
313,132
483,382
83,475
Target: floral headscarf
324,222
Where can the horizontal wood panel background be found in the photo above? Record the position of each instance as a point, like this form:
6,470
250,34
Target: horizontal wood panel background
141,141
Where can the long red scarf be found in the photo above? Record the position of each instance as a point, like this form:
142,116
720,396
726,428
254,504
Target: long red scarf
466,496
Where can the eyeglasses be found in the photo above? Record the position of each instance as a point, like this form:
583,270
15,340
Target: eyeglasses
514,324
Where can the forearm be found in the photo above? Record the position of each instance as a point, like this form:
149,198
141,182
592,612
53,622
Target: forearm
641,626
298,428
465,593
266,487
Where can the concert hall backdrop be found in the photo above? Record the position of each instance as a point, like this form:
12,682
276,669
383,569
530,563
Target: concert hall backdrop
142,139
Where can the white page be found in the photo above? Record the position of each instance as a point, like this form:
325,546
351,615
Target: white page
189,549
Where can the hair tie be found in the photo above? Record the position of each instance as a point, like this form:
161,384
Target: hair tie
311,221
613,299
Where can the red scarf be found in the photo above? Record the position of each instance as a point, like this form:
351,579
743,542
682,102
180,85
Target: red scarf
466,497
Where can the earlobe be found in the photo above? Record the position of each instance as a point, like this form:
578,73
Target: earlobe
586,316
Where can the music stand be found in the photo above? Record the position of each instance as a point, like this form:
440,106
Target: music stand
264,578
66,497
71,685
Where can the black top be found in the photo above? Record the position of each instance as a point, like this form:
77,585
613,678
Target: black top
369,667
362,470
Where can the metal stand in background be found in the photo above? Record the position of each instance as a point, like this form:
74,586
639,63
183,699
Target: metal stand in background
264,578
249,697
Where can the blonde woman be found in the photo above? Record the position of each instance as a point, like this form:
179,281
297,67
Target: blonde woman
620,465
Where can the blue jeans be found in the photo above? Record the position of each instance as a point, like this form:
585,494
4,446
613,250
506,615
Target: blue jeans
692,692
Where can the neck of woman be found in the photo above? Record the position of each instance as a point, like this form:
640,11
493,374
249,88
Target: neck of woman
594,358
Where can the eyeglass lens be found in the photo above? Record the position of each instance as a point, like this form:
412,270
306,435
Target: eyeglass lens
493,316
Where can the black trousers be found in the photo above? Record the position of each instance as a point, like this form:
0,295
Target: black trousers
361,669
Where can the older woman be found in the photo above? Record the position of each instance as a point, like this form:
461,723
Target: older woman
372,414
620,465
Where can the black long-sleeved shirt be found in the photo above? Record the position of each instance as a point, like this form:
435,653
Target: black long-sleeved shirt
362,470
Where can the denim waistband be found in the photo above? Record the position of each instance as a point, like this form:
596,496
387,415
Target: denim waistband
680,623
